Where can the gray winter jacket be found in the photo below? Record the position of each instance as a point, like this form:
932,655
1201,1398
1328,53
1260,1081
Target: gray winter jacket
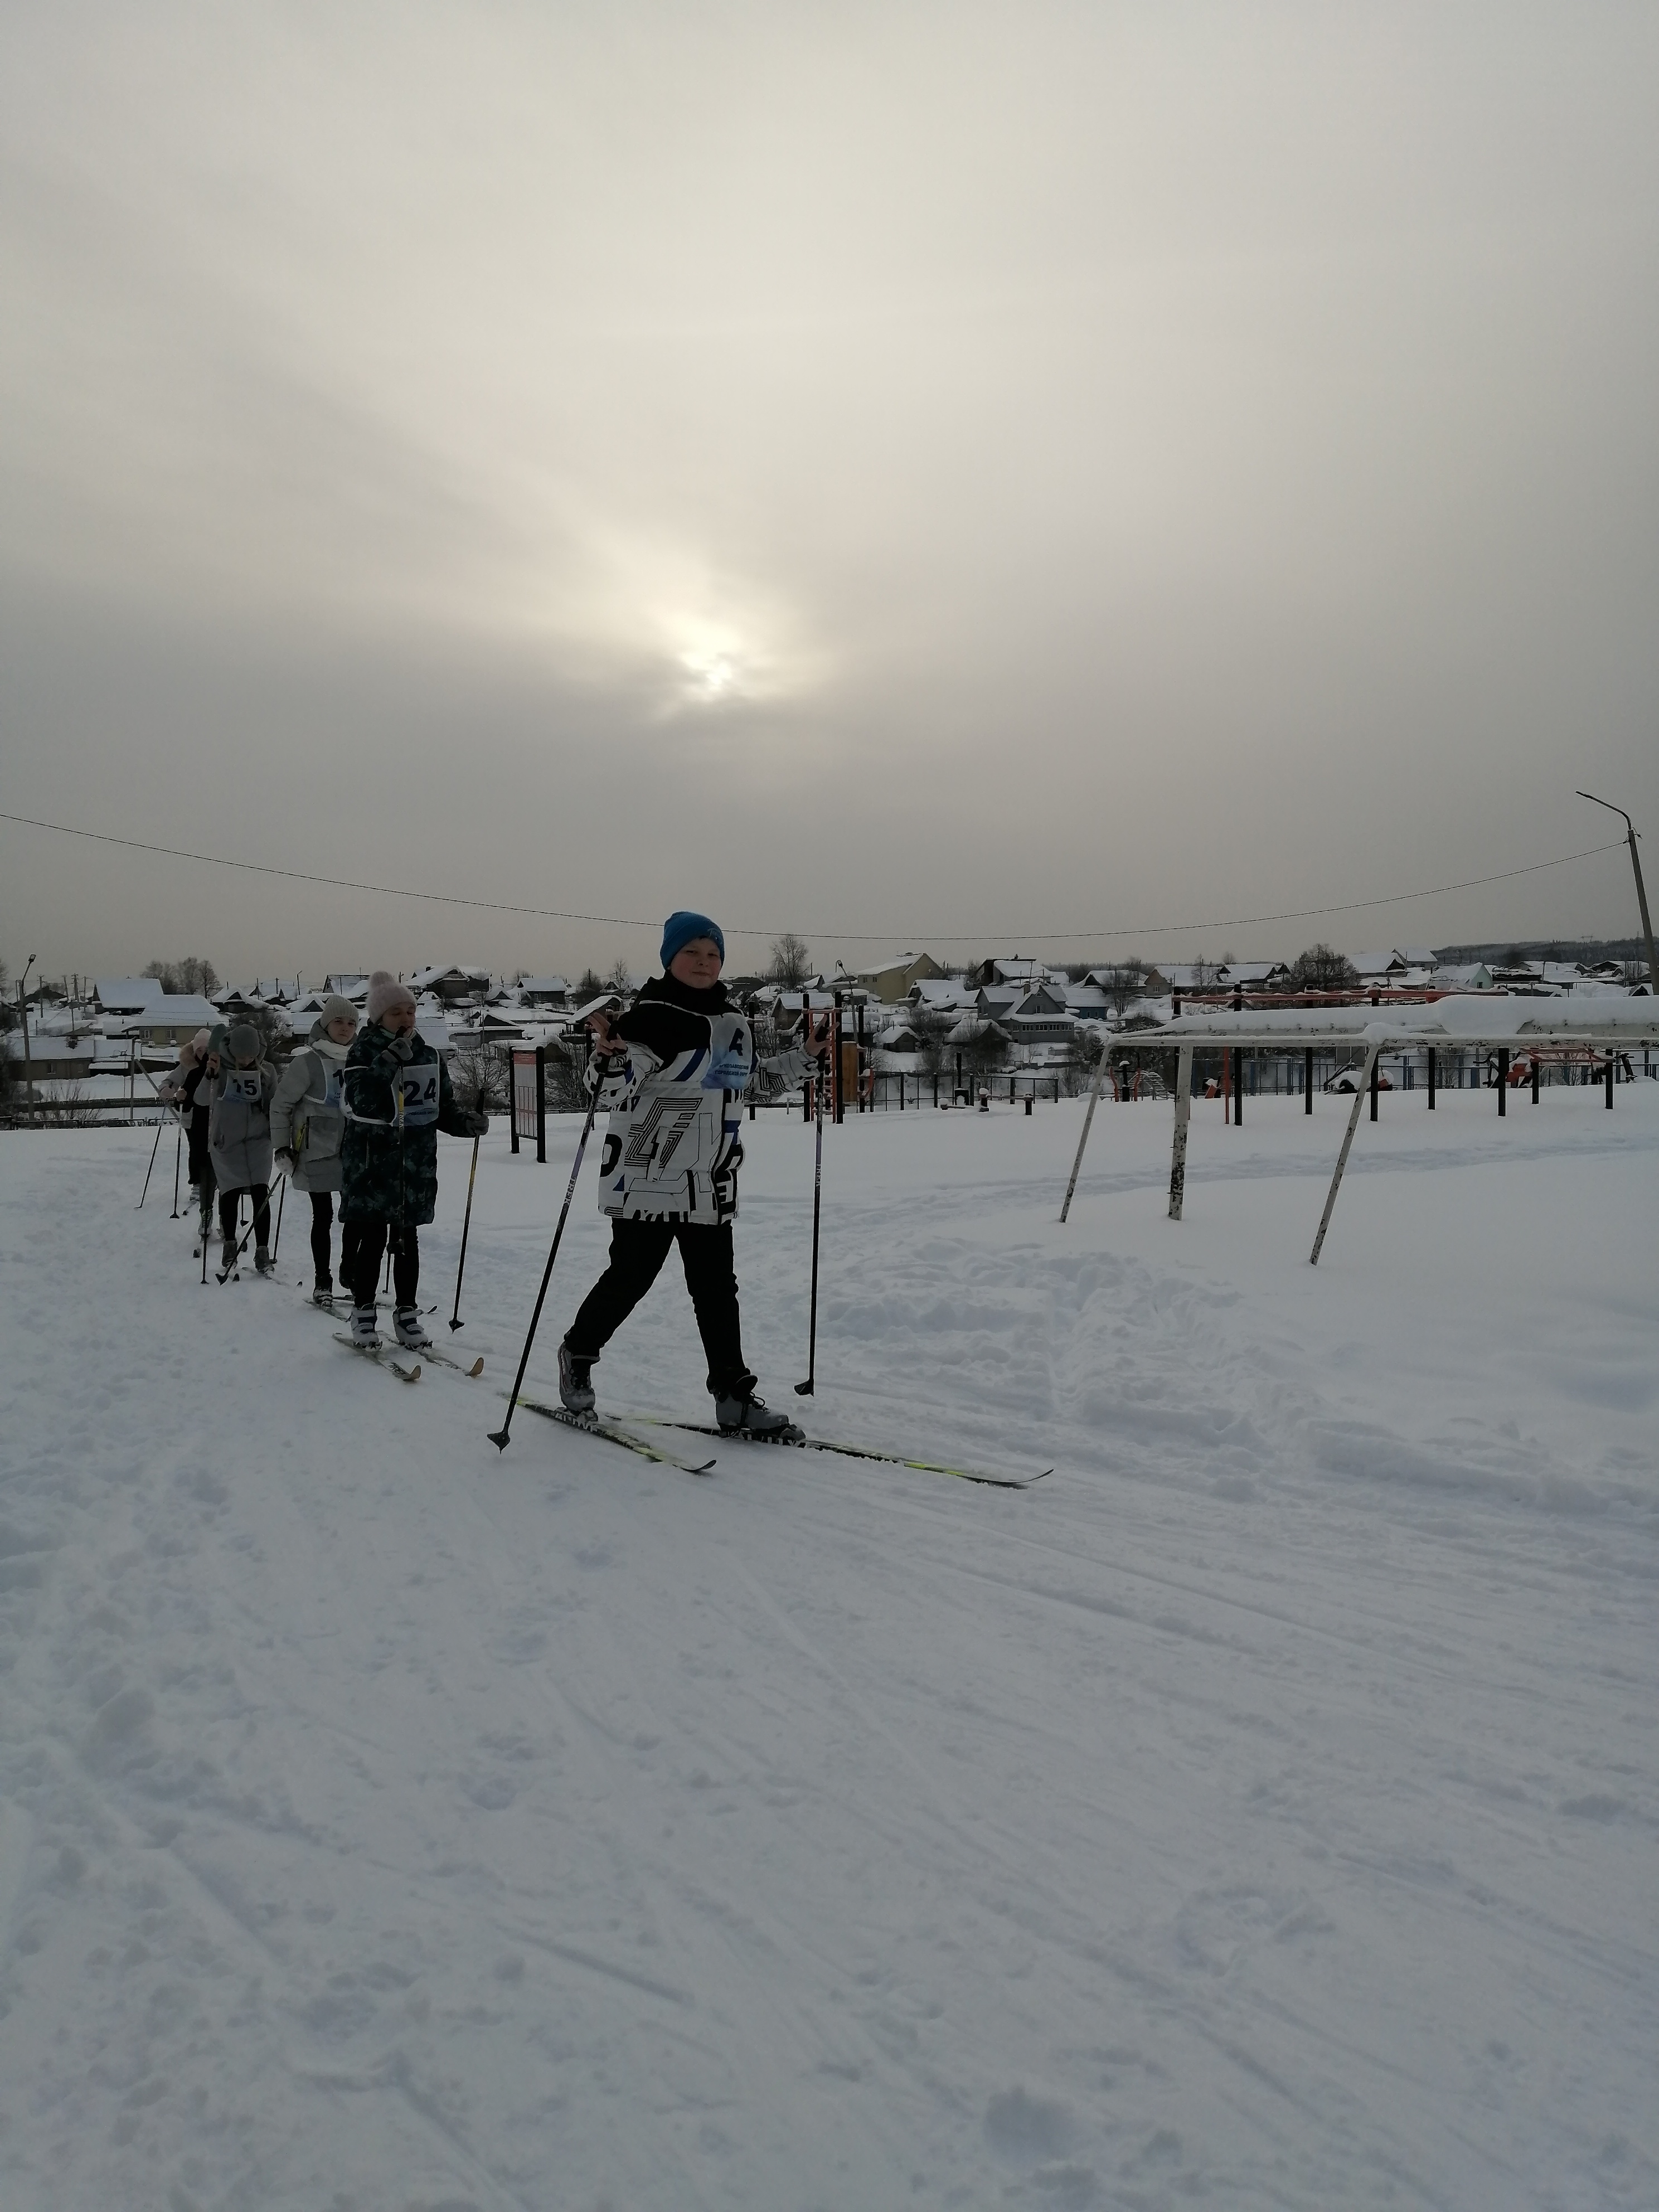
238,1125
305,1114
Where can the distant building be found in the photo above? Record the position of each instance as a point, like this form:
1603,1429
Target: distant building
139,1007
891,980
451,986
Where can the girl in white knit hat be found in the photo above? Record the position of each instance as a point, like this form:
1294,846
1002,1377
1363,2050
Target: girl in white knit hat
308,1126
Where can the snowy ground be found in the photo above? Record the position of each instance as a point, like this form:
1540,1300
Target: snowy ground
1262,1811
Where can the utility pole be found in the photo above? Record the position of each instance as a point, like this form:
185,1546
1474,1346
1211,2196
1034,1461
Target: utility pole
1641,888
23,1010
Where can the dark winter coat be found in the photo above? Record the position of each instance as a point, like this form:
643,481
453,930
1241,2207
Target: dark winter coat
395,1095
238,1125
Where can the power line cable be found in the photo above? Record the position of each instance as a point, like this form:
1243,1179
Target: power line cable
838,936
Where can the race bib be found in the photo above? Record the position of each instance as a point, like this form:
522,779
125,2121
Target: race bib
729,1063
415,1094
242,1083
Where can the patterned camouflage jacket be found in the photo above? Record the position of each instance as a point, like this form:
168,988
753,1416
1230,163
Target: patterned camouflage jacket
672,1148
395,1095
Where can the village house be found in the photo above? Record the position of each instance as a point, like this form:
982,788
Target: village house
451,986
891,980
137,1006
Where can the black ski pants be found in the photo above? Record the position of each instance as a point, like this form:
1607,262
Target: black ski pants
228,1203
361,1270
322,1222
638,1249
201,1162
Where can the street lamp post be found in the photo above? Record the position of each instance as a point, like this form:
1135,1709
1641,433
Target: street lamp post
1641,888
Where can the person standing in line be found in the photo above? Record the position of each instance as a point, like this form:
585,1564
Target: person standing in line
177,1088
308,1126
395,1095
197,1090
239,1141
672,1070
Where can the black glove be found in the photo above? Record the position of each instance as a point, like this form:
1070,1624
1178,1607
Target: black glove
477,1124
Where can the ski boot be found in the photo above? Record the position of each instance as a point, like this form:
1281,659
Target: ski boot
365,1337
411,1334
263,1262
322,1293
227,1256
748,1416
575,1384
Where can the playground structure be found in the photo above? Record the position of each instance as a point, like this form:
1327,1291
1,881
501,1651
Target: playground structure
1518,1038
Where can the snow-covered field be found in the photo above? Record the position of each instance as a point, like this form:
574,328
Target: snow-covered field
1262,1811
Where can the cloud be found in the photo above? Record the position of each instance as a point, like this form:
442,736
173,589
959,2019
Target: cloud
1064,449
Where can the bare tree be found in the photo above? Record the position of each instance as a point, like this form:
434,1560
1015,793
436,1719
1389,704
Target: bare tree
481,1076
592,986
190,976
791,961
621,979
1319,969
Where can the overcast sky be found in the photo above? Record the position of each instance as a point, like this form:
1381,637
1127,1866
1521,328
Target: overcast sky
910,470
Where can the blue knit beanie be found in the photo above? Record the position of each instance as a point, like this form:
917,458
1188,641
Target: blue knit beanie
679,929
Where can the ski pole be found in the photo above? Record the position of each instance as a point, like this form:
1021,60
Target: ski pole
149,1170
805,1390
177,1149
498,1437
276,1234
246,1233
455,1320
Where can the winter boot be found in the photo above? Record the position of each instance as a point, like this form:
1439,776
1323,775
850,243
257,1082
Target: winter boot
364,1334
750,1417
263,1262
323,1292
575,1385
410,1333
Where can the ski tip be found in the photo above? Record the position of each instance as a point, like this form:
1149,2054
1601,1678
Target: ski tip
477,1367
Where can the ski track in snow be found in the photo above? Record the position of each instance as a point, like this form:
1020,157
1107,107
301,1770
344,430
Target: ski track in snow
1262,1811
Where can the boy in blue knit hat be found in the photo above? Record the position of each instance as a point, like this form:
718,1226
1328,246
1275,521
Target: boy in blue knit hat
673,1071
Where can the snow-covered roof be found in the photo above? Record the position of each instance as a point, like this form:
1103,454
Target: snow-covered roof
941,992
1249,974
425,979
125,994
177,1010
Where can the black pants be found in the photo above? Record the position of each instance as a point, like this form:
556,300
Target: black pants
360,1269
259,1193
201,1166
638,1249
322,1221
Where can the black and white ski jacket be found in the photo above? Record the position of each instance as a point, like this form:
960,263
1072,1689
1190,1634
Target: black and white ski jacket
673,1145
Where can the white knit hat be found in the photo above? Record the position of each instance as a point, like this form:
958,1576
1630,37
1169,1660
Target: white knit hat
386,992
